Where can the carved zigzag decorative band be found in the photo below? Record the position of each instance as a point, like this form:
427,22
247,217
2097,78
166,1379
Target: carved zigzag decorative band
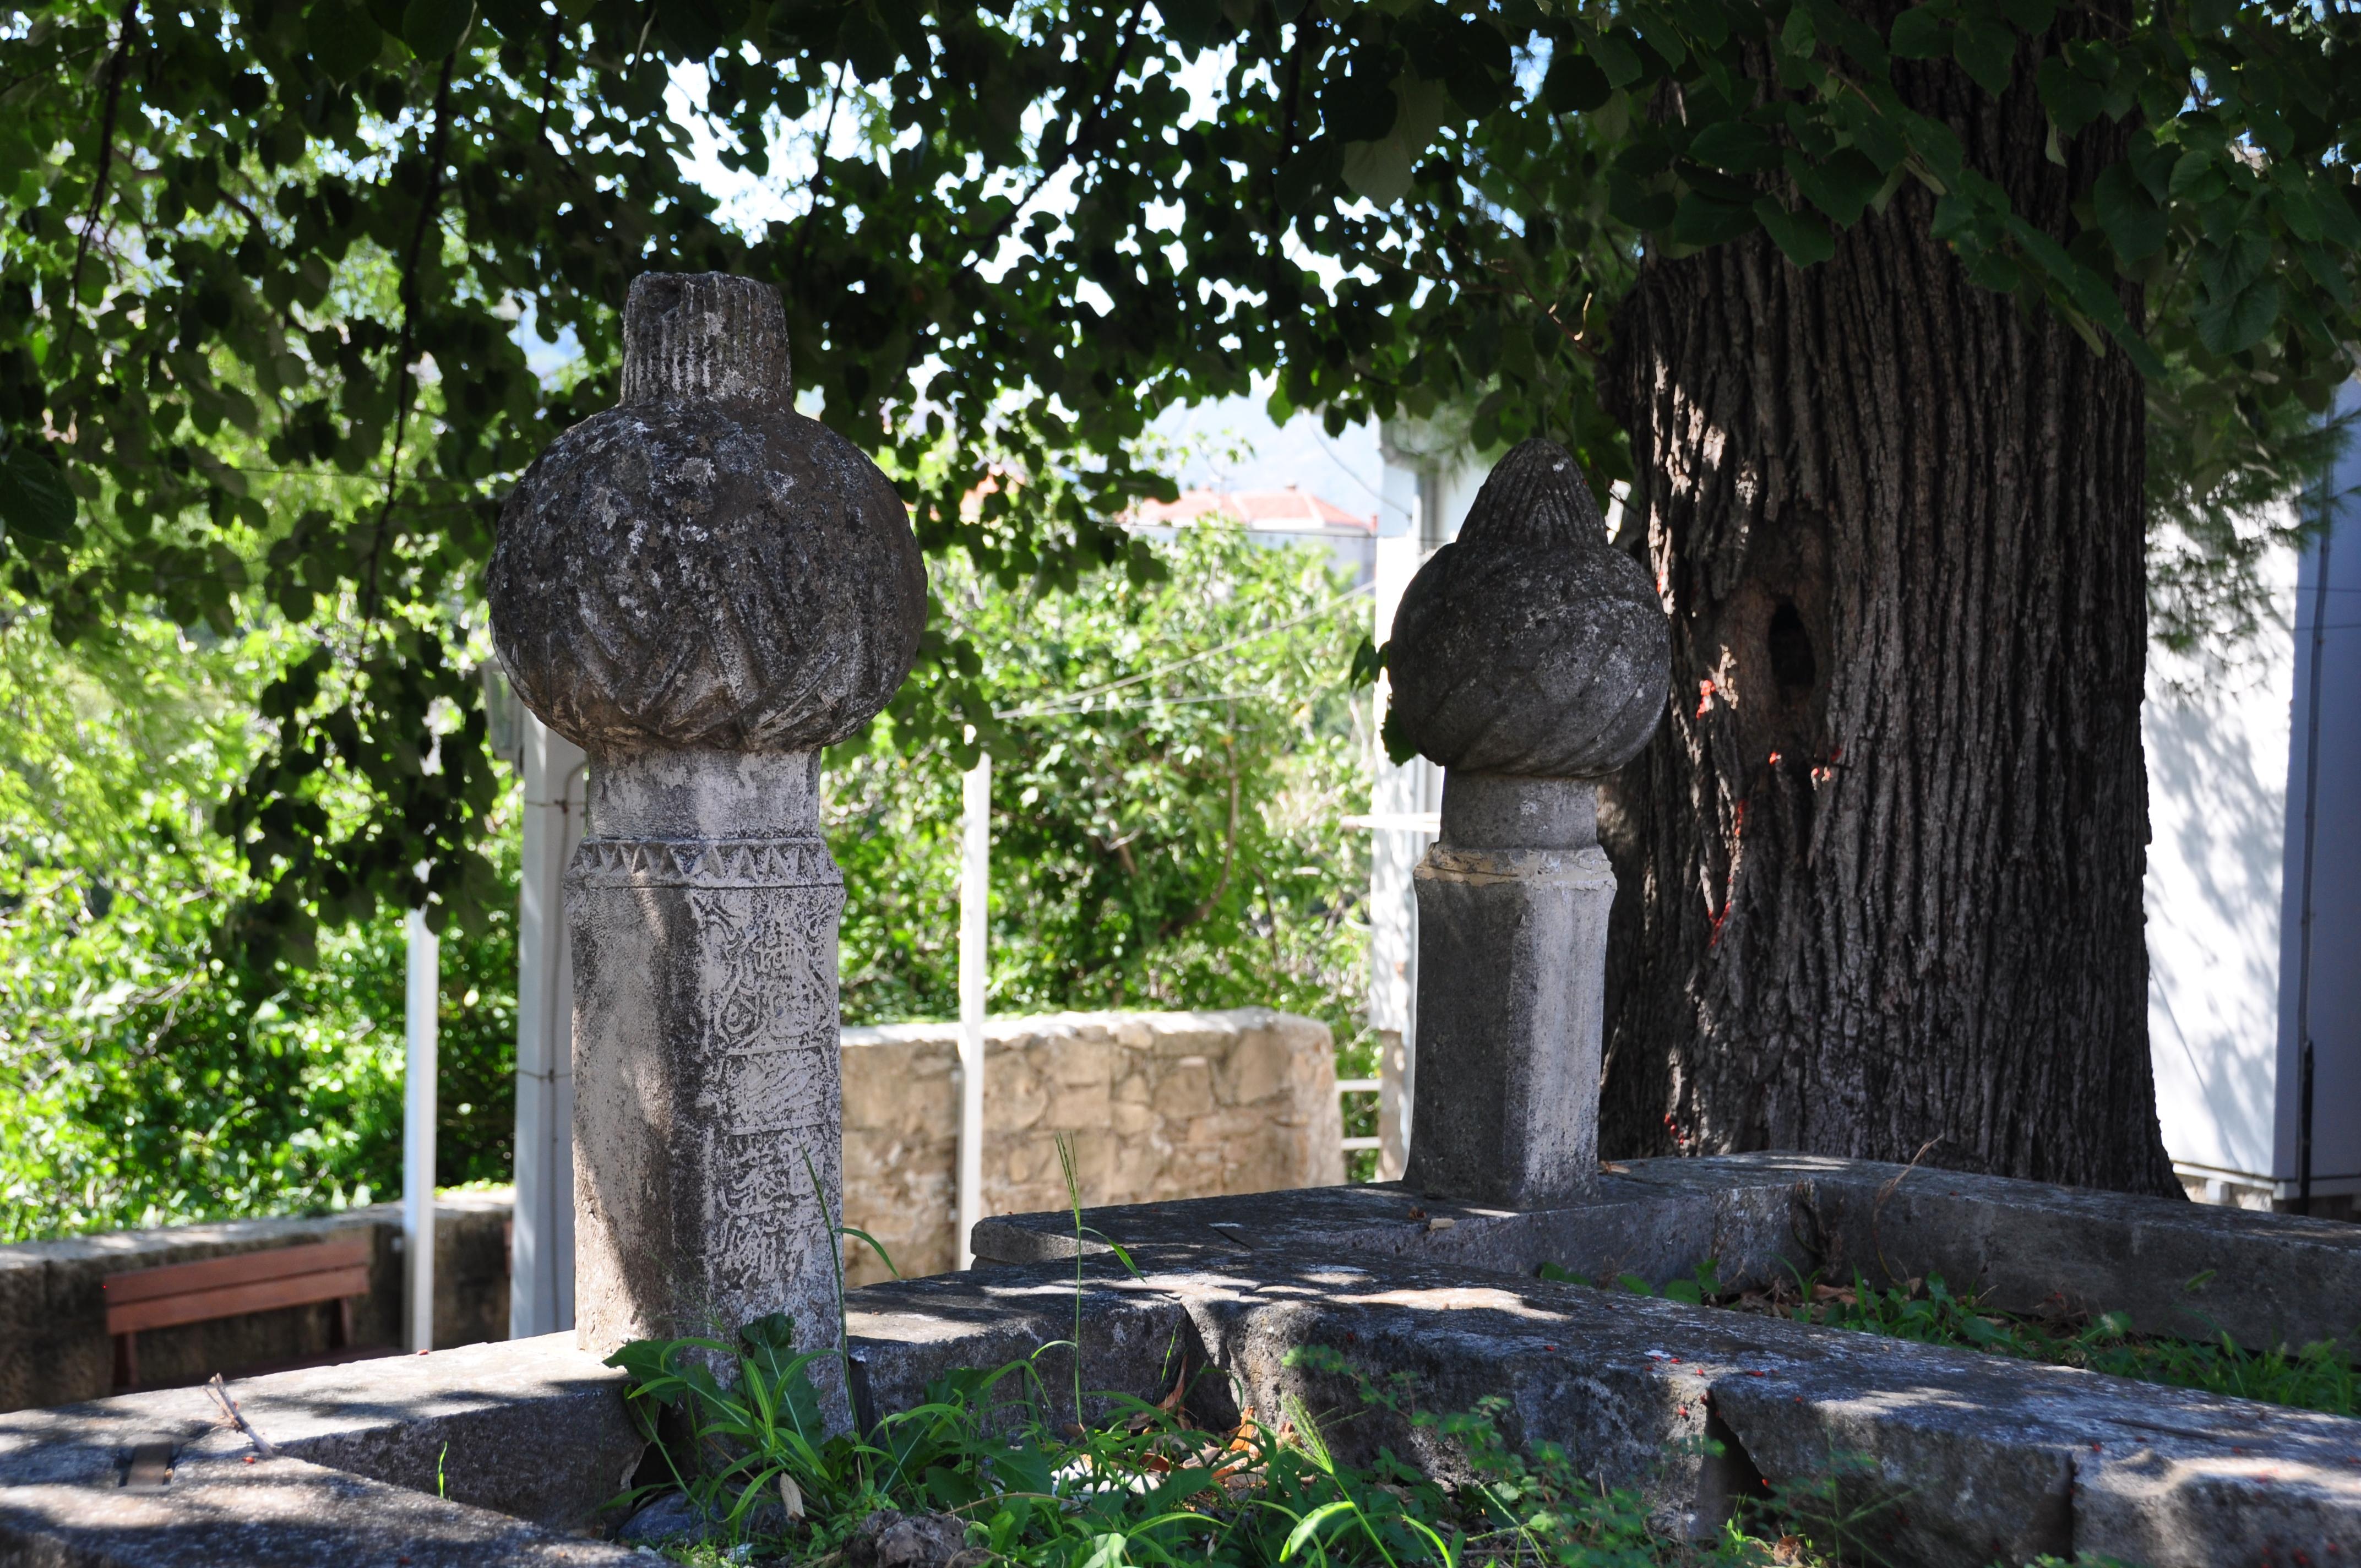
702,862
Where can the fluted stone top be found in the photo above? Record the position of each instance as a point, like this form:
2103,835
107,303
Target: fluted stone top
1529,646
704,337
701,567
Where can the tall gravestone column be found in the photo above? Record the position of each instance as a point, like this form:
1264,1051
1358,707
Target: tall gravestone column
701,588
1530,659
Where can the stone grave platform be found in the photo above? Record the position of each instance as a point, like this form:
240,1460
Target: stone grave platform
1976,1458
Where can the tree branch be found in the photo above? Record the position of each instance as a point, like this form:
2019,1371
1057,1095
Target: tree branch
436,139
1084,130
114,67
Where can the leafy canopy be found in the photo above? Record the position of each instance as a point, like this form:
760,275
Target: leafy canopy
268,274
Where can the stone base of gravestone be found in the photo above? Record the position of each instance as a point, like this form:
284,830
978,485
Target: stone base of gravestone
708,1156
1512,906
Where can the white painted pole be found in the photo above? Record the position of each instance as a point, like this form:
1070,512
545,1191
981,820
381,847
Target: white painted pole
541,1265
418,1131
975,891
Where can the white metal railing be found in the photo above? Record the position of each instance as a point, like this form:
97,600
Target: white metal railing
1357,1086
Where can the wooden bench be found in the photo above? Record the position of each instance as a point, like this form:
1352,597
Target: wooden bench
332,1271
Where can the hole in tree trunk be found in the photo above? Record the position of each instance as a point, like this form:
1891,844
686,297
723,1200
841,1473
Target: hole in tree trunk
1790,647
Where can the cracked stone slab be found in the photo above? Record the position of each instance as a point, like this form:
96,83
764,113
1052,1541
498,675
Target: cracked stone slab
1629,1227
2266,1279
211,1508
1964,1458
533,1429
1137,1340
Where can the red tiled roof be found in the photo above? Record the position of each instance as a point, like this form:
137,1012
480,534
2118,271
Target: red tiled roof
1265,511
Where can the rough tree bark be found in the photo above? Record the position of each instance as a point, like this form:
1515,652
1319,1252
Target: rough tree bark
1880,868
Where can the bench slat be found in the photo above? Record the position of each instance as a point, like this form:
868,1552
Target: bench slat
232,1301
236,1269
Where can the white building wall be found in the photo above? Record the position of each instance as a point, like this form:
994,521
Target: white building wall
2320,919
2254,882
2215,731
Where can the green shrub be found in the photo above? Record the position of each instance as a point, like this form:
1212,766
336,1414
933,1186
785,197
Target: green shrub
1158,851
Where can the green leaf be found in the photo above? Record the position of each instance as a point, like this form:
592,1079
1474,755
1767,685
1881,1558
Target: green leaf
2134,225
1986,50
2227,325
1308,1526
1617,58
2072,99
35,501
1798,37
1635,203
1700,220
1875,135
1359,107
643,1361
1800,236
1954,220
2333,205
1377,171
342,39
2227,269
432,29
2033,16
1936,143
1856,38
1635,1285
1574,84
2327,269
1304,176
1923,32
2189,175
1841,184
1737,145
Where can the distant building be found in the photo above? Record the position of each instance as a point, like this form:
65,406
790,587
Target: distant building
1274,518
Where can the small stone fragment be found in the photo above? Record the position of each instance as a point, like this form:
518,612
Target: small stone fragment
890,1540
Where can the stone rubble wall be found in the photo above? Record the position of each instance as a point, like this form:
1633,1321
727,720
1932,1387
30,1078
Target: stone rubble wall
1157,1105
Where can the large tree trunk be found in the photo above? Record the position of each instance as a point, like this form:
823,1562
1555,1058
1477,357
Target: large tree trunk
1881,867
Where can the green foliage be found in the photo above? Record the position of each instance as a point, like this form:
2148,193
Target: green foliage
147,1073
2315,1376
265,272
1147,1488
151,1070
1169,762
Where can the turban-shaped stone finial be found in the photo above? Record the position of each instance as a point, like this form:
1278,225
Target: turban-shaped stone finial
701,567
1529,646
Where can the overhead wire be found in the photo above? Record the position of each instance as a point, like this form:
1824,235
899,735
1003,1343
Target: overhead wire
1084,701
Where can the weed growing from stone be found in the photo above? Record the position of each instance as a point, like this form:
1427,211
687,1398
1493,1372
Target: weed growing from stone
978,1472
2315,1376
984,1475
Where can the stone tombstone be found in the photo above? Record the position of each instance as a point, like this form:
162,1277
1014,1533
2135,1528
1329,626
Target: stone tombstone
1530,659
701,588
